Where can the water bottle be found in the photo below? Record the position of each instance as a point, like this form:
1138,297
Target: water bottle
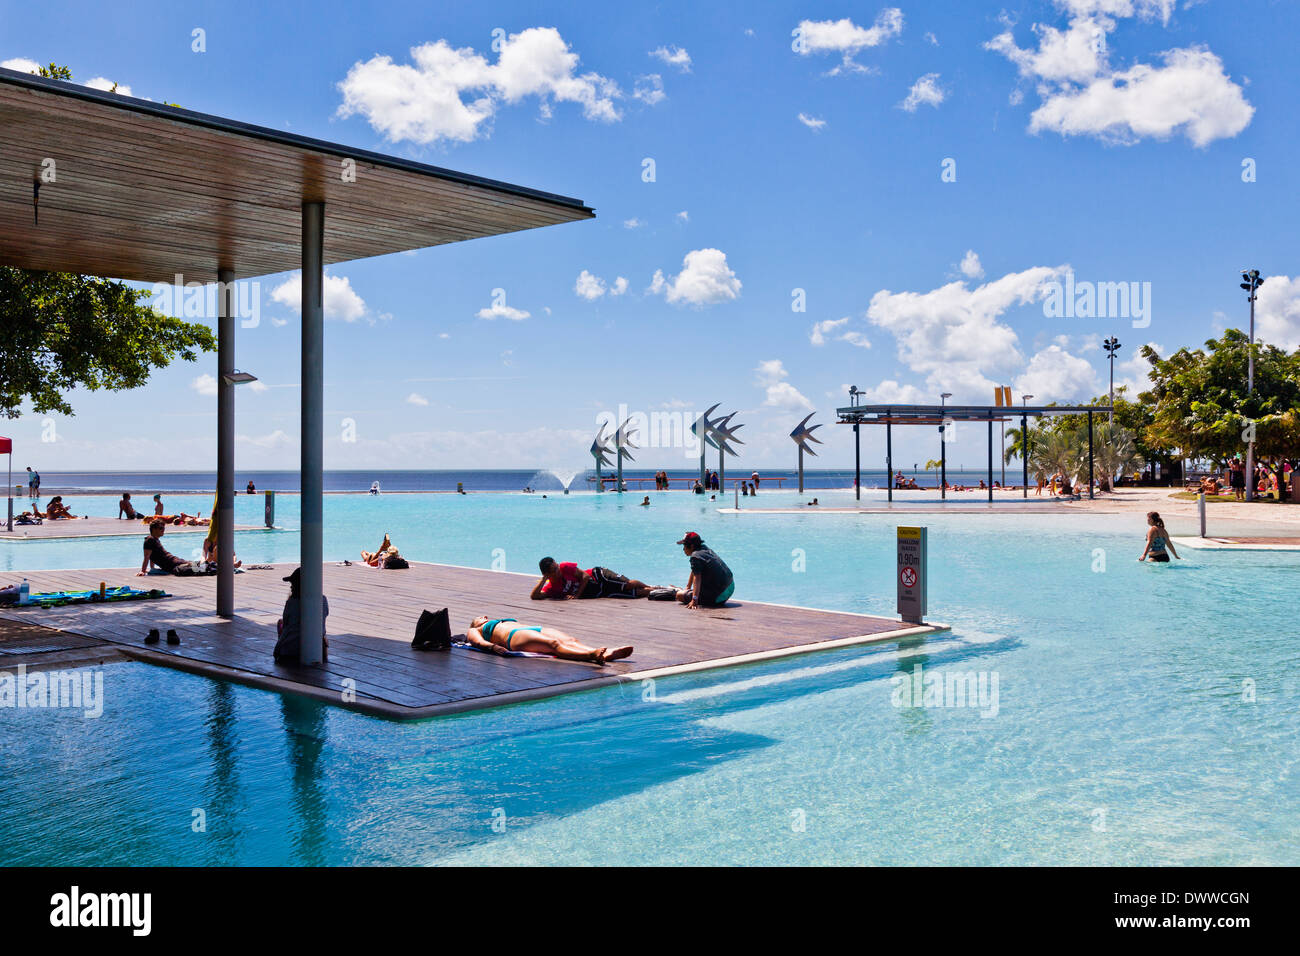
24,593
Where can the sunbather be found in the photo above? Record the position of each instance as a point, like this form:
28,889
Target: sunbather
378,557
567,581
57,510
507,634
125,509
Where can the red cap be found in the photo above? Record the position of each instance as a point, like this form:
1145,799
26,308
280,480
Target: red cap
691,538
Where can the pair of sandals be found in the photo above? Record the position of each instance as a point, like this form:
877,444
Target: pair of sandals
172,637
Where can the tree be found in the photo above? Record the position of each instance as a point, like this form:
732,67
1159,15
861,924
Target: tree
67,331
1200,404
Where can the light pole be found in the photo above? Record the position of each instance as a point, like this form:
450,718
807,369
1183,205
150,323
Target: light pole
1251,281
943,453
1024,446
1112,345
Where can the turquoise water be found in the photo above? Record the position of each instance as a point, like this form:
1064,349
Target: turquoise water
1144,715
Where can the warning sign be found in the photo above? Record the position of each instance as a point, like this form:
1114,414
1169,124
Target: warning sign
911,574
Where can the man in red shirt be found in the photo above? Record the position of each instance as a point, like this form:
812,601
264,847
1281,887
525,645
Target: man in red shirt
566,581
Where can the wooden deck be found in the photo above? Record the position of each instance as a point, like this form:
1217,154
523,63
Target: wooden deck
96,528
371,665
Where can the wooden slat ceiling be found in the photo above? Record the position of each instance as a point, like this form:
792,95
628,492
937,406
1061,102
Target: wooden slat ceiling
145,191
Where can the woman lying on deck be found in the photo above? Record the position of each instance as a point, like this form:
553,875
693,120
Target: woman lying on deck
507,635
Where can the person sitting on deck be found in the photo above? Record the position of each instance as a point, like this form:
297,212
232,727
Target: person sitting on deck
568,582
507,634
211,551
288,644
127,510
57,510
711,582
251,489
385,556
158,556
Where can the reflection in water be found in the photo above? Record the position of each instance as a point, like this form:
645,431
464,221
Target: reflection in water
304,720
916,719
222,794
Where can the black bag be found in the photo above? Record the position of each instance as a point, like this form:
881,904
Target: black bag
433,632
395,563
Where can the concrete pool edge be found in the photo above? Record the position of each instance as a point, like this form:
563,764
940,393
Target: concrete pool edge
389,711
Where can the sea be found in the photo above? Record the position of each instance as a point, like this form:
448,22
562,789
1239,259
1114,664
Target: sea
352,482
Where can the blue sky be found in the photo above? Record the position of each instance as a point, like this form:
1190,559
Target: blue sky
797,146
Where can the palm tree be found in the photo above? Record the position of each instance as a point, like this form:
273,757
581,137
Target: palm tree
1116,453
1054,452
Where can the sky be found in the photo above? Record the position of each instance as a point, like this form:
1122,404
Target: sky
791,198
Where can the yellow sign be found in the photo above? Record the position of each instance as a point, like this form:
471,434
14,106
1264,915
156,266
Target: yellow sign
909,532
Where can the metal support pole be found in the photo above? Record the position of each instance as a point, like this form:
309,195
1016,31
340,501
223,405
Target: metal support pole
889,457
1200,507
1091,494
600,482
225,516
1250,390
311,546
990,458
857,462
801,469
943,465
618,481
1024,452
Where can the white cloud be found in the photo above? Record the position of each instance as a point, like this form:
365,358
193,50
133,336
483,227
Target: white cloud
835,328
683,216
1082,94
811,122
588,286
705,279
1054,375
452,94
890,392
953,335
499,310
970,265
204,384
1190,94
279,323
341,300
257,385
770,375
273,440
416,399
1277,312
108,86
673,56
21,65
649,89
619,286
633,223
926,91
847,38
931,39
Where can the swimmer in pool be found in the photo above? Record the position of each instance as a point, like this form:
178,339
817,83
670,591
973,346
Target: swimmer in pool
507,634
1159,547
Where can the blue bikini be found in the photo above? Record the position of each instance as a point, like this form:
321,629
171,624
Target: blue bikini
490,626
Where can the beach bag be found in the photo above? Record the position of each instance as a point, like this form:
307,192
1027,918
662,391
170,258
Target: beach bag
433,631
662,594
395,563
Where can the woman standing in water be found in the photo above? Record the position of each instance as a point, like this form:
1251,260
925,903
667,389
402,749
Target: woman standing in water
1159,547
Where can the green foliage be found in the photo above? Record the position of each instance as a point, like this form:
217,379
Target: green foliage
1200,405
67,331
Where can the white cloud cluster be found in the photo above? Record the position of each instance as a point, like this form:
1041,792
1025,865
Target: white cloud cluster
812,122
970,265
828,329
415,398
847,38
1054,375
1277,312
953,334
926,91
649,89
341,300
592,287
1084,95
499,310
673,56
447,93
705,279
770,375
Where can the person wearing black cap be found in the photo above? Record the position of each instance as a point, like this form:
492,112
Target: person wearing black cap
288,648
711,582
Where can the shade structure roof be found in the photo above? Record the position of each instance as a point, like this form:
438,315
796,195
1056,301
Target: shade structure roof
144,191
938,414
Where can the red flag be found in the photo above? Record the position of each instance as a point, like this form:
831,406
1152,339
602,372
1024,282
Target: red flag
6,446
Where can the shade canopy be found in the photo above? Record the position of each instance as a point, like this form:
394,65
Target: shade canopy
938,414
143,191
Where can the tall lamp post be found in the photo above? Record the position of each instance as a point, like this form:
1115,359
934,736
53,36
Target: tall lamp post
1251,281
1112,345
943,450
